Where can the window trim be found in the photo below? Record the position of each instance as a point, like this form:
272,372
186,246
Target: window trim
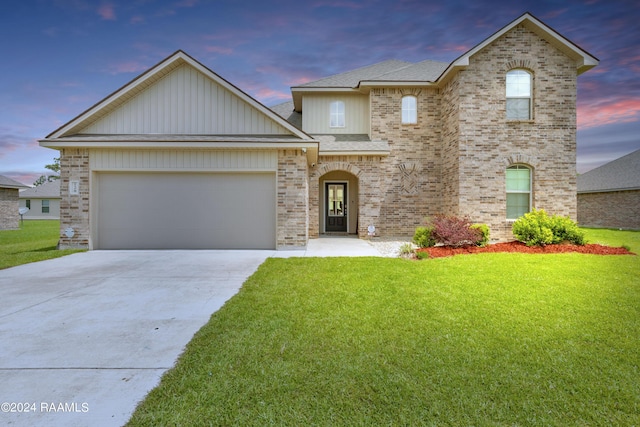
529,97
412,113
519,166
45,207
339,115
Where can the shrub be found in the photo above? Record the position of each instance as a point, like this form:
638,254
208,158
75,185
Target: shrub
533,228
422,255
566,230
536,228
483,239
454,231
423,237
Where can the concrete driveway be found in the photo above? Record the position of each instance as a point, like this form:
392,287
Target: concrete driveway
85,337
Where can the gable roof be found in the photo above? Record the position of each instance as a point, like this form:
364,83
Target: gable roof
617,175
151,77
6,182
428,73
584,60
48,190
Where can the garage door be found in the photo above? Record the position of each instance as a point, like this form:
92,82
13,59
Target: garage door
185,211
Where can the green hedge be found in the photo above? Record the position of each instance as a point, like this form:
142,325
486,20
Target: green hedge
537,228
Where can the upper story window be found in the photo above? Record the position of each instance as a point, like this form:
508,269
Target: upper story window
519,105
336,113
518,191
409,109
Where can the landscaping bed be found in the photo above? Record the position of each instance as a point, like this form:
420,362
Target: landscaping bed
594,249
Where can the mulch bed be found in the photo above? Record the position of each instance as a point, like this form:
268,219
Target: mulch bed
594,249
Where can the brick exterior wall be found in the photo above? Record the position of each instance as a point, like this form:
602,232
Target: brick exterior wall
412,172
615,209
454,160
74,209
293,199
488,143
9,216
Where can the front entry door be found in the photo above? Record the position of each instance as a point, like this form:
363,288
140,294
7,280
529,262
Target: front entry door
336,207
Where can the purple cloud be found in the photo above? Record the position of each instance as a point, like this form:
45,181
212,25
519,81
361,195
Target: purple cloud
107,12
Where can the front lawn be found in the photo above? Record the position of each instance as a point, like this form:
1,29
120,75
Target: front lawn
489,339
36,240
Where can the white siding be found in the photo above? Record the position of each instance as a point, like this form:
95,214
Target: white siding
183,160
35,211
315,116
185,101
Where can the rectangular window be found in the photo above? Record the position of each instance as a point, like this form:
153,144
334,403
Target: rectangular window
409,109
518,191
336,114
28,204
45,206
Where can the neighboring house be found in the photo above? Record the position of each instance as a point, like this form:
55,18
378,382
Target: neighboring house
9,210
181,158
43,201
609,196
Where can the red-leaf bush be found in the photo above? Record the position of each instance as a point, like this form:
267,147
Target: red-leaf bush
454,231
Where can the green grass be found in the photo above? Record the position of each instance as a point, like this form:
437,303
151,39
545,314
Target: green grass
36,240
488,339
614,238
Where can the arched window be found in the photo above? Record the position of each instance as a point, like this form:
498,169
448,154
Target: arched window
409,109
519,105
336,113
518,191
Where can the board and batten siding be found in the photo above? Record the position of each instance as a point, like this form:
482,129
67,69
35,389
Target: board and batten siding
183,160
315,118
185,101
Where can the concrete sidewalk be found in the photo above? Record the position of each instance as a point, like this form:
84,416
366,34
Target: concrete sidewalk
332,246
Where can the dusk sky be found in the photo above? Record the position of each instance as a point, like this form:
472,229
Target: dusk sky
60,57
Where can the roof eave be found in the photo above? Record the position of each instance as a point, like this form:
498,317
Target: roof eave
608,190
355,153
310,147
395,83
298,91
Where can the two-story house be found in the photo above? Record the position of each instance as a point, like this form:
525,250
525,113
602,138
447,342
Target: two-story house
181,158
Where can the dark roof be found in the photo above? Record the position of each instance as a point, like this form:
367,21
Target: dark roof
619,174
6,182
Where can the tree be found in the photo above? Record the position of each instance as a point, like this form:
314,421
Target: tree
54,167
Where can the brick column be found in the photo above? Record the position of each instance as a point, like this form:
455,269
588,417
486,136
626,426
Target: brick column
9,216
292,199
74,209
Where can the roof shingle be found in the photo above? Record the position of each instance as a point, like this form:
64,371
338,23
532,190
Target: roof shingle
6,182
48,190
619,174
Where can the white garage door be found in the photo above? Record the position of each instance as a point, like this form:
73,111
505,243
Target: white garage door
186,211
